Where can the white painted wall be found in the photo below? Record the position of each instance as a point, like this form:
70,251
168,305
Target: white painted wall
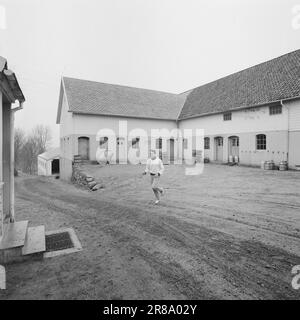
44,167
243,121
294,133
245,124
91,124
66,119
294,115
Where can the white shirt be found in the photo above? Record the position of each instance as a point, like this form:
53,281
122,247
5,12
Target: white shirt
154,166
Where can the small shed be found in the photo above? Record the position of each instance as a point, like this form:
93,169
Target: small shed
48,162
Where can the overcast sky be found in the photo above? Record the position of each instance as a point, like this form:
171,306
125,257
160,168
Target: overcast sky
167,45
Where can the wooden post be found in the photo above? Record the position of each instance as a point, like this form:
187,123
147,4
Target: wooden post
12,167
1,175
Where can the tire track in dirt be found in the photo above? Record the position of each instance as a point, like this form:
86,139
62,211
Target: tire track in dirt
217,249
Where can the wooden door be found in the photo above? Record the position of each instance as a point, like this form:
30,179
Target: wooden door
233,144
171,150
219,148
84,147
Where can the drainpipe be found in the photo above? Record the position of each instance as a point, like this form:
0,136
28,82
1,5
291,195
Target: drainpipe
12,162
288,131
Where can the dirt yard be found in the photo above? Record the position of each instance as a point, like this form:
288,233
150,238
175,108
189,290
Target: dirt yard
230,233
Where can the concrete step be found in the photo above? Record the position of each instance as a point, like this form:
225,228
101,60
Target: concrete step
35,242
14,235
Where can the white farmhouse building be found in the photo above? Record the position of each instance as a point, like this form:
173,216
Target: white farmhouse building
48,162
252,116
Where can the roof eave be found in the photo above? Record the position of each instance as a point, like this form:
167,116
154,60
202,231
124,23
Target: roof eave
121,116
239,108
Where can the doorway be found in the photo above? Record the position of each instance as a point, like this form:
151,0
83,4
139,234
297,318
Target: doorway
121,150
233,146
55,166
171,151
84,147
219,148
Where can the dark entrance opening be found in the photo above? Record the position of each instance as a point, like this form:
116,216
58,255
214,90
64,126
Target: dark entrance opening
55,166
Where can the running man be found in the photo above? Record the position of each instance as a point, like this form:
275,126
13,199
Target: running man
155,167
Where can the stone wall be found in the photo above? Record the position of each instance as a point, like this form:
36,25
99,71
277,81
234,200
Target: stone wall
84,179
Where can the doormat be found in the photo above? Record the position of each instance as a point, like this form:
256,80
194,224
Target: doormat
60,242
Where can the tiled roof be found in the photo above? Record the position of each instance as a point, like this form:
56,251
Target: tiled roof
89,97
271,81
274,80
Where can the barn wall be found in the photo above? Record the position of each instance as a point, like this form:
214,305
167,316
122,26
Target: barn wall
294,133
66,141
66,157
66,119
246,124
243,121
88,126
91,124
282,132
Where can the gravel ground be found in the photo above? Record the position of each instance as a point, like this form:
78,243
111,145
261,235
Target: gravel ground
230,233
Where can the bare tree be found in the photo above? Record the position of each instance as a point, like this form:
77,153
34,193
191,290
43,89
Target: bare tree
20,139
41,136
35,143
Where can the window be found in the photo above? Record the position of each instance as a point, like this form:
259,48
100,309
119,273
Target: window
235,142
261,142
159,143
275,110
135,143
206,143
227,116
219,141
103,140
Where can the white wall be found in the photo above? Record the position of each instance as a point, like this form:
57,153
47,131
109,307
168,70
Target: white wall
246,124
294,133
294,115
44,167
66,119
91,124
243,121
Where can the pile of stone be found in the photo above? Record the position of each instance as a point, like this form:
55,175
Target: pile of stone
84,179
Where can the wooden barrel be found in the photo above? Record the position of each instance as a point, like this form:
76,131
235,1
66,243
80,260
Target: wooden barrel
283,166
269,165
